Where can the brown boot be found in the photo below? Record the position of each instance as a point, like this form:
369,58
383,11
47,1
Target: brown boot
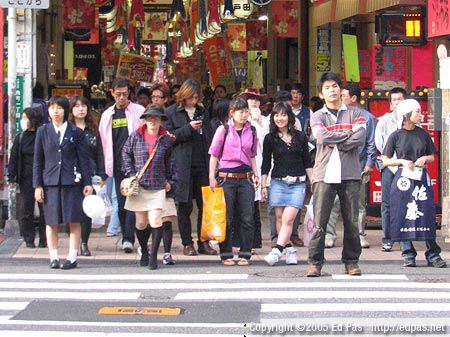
298,242
205,248
352,269
313,270
189,250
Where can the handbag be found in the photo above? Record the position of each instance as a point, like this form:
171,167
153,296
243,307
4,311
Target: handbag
130,186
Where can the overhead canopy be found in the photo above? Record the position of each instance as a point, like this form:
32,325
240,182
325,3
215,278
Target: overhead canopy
327,11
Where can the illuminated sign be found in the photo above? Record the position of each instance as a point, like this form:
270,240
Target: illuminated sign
402,28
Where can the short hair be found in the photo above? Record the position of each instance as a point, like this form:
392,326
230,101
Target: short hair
143,91
172,89
36,117
238,103
282,107
297,86
397,90
161,87
91,124
316,103
61,101
220,110
282,96
328,76
120,82
353,90
187,90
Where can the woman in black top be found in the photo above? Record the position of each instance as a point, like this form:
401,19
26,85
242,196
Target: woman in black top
81,115
289,150
21,173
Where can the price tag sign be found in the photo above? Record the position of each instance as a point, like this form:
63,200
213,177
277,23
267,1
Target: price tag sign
43,4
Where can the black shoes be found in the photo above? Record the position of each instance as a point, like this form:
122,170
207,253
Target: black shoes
69,265
144,259
438,263
84,250
54,264
30,245
153,263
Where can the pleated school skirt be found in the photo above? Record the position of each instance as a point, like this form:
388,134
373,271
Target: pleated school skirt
63,204
146,200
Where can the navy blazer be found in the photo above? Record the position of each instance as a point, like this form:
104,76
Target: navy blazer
54,163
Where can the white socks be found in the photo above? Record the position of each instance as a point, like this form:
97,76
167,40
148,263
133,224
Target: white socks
53,254
72,256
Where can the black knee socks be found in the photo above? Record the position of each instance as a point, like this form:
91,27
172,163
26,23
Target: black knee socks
156,241
167,236
143,235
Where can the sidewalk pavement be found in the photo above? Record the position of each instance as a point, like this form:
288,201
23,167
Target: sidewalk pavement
109,248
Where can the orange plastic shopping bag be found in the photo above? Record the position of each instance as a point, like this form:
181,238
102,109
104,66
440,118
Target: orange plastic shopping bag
214,218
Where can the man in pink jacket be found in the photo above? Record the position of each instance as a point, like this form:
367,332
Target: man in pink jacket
116,124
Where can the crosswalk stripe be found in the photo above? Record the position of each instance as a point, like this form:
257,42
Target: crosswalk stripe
369,277
137,277
219,285
345,307
71,295
214,295
13,305
5,320
35,333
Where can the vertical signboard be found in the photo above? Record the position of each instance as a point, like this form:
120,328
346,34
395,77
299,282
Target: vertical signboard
324,48
389,67
19,101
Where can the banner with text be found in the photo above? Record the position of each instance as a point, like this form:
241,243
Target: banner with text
389,67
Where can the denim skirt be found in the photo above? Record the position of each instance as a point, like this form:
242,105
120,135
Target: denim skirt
283,194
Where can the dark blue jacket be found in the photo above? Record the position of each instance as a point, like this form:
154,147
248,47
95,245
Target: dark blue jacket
135,155
54,164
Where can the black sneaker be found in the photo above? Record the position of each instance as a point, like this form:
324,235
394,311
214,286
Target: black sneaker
409,263
438,263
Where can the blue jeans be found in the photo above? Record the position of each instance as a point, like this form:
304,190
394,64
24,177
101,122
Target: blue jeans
386,181
431,254
114,223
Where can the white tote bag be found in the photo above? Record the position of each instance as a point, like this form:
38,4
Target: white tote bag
333,170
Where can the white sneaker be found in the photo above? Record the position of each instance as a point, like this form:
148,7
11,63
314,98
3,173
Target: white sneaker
291,255
364,242
273,257
329,243
127,247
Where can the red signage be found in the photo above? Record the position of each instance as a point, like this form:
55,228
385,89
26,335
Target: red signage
216,56
389,67
438,18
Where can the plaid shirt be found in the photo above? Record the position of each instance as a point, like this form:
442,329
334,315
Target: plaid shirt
135,155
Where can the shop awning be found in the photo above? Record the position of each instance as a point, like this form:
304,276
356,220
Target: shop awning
326,11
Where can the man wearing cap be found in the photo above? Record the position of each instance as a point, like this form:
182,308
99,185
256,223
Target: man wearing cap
411,194
387,124
116,124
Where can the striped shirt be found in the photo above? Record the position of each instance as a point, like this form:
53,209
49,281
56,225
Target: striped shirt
347,131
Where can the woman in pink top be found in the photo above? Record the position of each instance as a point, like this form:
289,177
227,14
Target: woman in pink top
234,150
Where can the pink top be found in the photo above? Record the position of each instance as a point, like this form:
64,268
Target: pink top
237,150
133,112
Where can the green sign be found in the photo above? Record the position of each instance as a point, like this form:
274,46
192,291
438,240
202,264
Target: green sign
351,60
19,101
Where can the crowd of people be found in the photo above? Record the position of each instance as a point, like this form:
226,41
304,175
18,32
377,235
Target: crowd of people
168,145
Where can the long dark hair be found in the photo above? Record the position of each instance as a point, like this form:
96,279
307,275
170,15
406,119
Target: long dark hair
91,124
282,107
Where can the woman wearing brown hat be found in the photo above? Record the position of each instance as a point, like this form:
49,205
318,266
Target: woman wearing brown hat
150,140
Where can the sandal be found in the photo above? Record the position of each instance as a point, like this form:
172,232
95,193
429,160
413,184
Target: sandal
228,262
243,262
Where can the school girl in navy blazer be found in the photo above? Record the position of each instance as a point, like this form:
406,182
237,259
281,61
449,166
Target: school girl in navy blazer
61,176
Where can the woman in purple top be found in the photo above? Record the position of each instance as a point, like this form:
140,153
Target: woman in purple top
234,150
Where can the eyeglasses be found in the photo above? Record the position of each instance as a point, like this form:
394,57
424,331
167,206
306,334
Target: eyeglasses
157,97
121,94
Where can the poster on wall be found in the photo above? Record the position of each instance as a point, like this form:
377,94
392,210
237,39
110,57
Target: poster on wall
324,48
135,68
154,27
438,18
389,67
285,18
215,56
365,69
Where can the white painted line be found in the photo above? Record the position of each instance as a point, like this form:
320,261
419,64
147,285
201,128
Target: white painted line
13,305
218,285
35,333
369,277
71,295
238,295
5,320
136,277
345,307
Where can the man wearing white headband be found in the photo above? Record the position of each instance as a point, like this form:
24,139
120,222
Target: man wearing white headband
411,196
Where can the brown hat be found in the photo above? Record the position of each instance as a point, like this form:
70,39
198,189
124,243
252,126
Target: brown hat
250,93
